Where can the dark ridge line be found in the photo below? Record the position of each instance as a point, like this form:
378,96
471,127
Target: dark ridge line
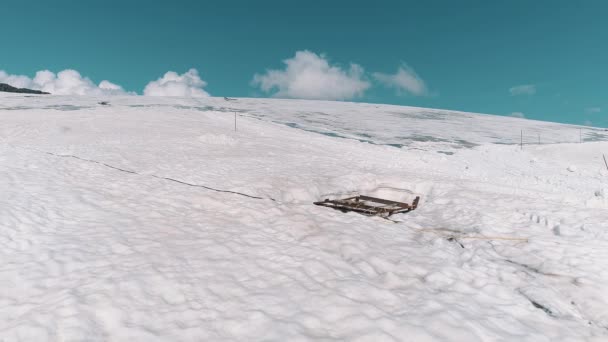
537,305
159,177
542,307
532,269
119,169
454,239
7,88
208,188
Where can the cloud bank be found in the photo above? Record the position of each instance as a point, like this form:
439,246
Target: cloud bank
66,82
311,76
71,82
405,80
188,84
524,89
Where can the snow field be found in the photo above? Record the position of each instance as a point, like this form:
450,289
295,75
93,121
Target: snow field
108,234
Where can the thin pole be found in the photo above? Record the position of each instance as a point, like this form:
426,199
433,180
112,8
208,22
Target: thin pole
539,138
235,121
580,135
605,162
521,142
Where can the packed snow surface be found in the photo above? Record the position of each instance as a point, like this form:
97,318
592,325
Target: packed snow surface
150,219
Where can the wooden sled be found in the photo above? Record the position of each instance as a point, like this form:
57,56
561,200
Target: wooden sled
371,206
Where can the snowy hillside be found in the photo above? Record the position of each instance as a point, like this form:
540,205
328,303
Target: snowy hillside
151,219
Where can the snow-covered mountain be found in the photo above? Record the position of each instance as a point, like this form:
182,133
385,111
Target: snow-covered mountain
152,219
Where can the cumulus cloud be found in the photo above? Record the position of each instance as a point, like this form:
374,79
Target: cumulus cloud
18,81
405,80
311,76
517,115
592,110
188,84
66,82
524,89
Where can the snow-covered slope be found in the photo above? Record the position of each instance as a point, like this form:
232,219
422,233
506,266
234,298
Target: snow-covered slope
152,219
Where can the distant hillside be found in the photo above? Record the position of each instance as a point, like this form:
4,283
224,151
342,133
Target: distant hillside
10,89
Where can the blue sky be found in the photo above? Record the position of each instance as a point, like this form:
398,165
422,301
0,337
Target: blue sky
544,59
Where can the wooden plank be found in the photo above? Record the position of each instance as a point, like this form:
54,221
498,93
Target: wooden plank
383,201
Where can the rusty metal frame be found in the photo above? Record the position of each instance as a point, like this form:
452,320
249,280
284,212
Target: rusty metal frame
371,206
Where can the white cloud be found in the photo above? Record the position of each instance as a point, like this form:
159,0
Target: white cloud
188,84
311,76
405,80
592,110
524,89
18,81
517,115
66,82
107,85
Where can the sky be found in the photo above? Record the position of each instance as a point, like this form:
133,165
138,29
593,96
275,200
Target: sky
543,60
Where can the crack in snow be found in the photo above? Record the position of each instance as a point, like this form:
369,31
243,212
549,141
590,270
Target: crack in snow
155,176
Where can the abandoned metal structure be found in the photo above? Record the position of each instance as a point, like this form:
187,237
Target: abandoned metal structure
371,206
